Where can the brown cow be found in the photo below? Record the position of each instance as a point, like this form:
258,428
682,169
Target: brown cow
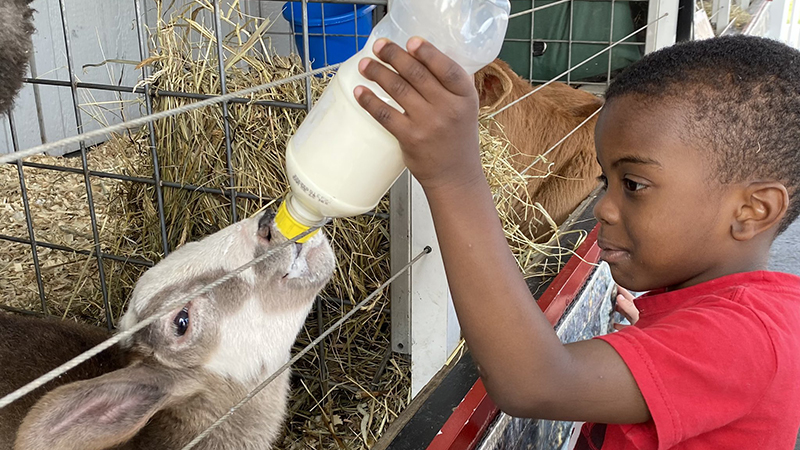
534,125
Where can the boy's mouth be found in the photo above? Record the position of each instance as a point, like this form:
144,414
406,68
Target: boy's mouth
611,253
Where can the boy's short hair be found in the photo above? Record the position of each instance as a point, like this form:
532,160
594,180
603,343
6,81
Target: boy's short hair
741,95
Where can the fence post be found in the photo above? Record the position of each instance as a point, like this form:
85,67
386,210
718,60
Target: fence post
424,322
744,4
720,14
662,33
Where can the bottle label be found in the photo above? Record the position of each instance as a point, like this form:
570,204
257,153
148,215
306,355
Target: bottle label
319,198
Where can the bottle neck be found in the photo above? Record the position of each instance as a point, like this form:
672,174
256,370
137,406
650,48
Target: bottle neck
302,213
294,218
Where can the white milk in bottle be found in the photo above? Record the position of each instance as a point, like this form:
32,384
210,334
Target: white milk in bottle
341,161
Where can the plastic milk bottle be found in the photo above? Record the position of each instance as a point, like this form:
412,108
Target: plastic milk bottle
341,161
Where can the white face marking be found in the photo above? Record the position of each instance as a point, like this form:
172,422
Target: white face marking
254,343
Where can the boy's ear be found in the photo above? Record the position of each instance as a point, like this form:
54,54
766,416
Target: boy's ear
764,206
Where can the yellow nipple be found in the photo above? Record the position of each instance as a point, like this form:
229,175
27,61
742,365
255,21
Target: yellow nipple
289,226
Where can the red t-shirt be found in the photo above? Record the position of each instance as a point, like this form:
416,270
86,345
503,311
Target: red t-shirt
718,365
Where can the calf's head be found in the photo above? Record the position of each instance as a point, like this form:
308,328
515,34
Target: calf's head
217,345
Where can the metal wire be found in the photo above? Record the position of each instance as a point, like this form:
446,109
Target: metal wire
610,41
226,121
538,8
28,221
157,92
574,67
305,350
148,101
101,271
144,120
575,41
65,249
165,309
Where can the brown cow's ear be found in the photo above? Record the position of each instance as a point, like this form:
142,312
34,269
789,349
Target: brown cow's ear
493,85
95,414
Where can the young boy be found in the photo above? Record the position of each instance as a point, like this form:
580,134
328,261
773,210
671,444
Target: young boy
700,149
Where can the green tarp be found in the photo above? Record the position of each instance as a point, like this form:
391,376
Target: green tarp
591,21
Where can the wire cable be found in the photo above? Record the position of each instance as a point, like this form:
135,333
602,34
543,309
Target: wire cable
133,123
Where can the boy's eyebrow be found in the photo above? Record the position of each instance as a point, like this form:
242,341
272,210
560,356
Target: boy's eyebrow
635,160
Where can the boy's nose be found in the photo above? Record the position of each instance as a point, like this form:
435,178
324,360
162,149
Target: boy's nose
605,211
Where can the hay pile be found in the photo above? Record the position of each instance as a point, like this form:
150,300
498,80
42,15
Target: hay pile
344,398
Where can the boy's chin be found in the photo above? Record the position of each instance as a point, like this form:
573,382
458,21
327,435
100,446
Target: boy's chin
631,281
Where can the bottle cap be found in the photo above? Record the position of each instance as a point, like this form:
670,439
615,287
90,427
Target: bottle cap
289,226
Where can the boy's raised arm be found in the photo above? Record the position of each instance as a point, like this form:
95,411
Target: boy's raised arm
524,366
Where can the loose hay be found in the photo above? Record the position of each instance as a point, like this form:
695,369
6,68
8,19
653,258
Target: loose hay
60,215
343,398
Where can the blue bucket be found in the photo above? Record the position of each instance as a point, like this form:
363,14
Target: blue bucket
346,30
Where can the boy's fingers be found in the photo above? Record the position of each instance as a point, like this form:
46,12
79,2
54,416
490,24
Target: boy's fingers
394,85
409,68
626,307
448,72
393,120
625,293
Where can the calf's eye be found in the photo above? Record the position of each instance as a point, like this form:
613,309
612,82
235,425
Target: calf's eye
181,322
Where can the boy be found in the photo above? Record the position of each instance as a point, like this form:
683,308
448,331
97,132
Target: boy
700,149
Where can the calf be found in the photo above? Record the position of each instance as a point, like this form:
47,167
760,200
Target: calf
176,376
533,126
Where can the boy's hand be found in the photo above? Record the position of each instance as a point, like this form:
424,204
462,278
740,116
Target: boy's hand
626,307
438,133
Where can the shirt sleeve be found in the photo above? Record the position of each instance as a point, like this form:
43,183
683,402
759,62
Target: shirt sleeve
698,368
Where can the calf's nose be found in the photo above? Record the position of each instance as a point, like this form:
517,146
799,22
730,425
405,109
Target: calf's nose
265,224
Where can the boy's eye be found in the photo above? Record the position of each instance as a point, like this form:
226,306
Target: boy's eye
602,179
632,186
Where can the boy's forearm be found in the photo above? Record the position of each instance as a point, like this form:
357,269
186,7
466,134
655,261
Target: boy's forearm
490,295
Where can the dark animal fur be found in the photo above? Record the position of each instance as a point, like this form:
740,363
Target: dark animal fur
32,340
16,18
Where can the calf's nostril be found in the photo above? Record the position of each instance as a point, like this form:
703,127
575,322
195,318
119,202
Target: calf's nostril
266,219
265,225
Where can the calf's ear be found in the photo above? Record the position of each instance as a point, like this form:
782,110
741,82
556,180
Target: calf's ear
493,84
95,414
